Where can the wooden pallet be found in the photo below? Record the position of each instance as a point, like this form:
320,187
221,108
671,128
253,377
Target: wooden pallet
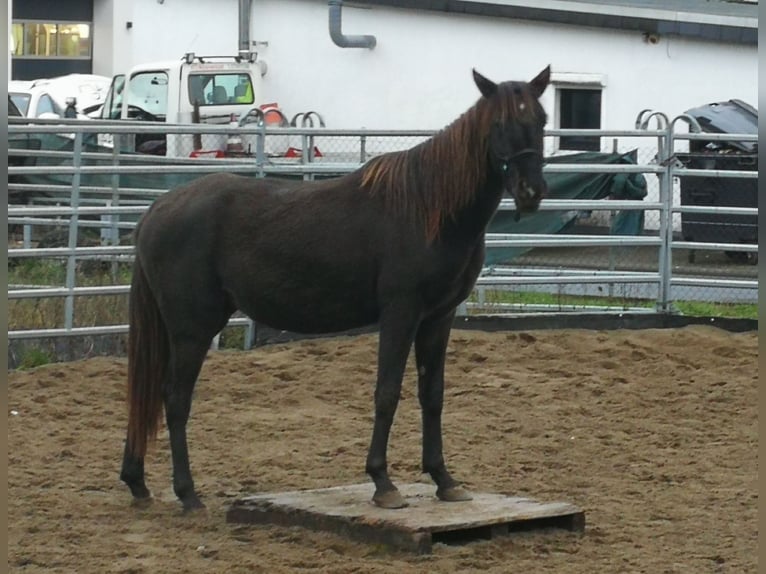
347,510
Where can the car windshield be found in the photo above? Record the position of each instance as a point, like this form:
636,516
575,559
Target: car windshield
21,101
220,89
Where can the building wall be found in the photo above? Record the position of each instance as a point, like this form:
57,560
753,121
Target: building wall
112,45
419,74
147,30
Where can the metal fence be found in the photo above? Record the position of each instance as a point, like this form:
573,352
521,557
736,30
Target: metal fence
74,196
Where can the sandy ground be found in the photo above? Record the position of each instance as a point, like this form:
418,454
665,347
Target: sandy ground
653,433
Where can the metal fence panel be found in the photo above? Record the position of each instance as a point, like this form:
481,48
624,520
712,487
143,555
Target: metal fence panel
74,206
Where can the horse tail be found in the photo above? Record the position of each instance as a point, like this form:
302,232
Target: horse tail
148,357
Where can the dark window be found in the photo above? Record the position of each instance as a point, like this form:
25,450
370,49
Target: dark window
580,109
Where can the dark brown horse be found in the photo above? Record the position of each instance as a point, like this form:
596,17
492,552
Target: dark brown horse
399,242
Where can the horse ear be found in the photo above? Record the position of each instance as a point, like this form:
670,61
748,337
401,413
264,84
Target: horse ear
540,82
486,87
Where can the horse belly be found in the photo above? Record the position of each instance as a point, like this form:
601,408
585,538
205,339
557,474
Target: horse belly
308,309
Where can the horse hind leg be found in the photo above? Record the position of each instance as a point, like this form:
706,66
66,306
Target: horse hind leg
132,474
187,356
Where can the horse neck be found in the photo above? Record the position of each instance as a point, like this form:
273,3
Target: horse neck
480,190
470,222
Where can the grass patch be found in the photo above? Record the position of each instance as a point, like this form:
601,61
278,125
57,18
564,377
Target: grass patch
49,312
562,302
32,358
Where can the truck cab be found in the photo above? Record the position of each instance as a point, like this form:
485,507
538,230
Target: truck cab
194,89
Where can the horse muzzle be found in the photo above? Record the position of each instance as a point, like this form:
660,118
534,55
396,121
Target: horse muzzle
527,197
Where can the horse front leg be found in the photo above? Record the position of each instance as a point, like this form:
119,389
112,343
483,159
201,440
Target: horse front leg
430,353
397,327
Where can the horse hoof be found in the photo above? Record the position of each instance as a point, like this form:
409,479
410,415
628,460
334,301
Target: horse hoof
141,502
193,505
389,499
138,490
454,494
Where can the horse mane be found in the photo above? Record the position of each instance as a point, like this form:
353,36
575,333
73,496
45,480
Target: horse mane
432,181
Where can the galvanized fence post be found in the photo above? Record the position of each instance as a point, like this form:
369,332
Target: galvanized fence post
665,159
362,148
305,155
114,218
27,231
260,149
74,203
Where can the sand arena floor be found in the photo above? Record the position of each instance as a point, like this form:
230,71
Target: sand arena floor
653,433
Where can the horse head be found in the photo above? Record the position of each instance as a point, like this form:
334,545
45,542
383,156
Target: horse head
515,140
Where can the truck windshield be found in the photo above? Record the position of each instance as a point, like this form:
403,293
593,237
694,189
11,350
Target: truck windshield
147,96
220,89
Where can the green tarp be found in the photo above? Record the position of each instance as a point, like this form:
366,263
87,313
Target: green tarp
574,186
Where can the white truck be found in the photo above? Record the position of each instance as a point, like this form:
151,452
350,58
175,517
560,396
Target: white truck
194,89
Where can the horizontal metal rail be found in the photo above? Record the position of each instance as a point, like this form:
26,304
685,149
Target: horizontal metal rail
22,211
718,173
527,309
588,205
64,292
66,251
531,240
716,137
95,330
98,127
73,332
308,168
44,221
554,279
746,247
506,204
716,283
717,209
85,189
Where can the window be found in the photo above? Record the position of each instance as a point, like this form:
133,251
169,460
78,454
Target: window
218,89
45,105
112,108
33,39
579,108
74,40
148,94
21,101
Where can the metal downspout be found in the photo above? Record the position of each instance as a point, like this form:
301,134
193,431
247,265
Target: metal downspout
244,28
335,7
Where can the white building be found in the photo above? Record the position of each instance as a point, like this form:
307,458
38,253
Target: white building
610,59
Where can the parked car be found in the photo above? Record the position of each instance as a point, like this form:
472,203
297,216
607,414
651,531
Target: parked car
34,101
72,96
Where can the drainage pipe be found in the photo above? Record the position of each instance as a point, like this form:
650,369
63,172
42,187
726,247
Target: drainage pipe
244,28
340,39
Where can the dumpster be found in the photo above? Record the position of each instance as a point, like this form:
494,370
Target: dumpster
733,116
